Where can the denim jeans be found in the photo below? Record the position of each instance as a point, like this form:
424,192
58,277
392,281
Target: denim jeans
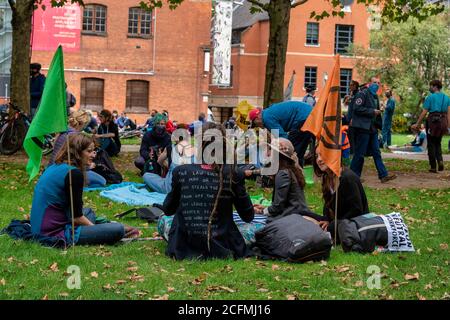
158,183
300,140
387,134
367,142
105,233
94,179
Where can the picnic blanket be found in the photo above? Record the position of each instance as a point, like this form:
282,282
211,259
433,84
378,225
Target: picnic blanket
133,195
114,186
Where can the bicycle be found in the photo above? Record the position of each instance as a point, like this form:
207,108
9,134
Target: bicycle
14,130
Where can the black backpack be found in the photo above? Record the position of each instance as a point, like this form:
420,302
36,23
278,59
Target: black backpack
151,214
105,167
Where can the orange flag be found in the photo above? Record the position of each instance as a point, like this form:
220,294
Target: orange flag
324,122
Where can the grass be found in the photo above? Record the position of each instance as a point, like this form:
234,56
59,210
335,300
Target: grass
140,270
401,139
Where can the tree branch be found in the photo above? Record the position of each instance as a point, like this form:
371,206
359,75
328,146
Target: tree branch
298,3
259,4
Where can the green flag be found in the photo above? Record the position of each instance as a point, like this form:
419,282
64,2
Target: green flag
51,116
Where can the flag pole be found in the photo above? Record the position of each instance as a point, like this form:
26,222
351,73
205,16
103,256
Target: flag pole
336,186
71,191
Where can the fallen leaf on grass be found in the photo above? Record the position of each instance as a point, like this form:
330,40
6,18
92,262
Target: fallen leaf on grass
200,279
277,278
428,286
341,269
132,269
54,267
443,246
414,276
219,288
64,294
119,282
131,263
94,274
275,267
263,290
34,261
359,284
170,289
11,259
420,297
45,297
106,266
3,282
136,277
107,287
291,297
163,297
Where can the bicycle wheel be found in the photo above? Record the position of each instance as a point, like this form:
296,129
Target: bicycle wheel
12,138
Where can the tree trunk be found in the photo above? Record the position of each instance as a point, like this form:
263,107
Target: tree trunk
279,15
22,12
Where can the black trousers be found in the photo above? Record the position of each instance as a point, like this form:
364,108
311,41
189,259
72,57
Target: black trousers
434,151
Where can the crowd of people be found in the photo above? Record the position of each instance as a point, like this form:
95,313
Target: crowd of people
201,197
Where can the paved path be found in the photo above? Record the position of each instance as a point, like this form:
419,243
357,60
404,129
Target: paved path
135,148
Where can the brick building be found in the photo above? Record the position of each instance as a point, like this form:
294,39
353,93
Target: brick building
134,61
311,49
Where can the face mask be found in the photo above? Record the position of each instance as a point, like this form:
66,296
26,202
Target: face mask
373,88
159,130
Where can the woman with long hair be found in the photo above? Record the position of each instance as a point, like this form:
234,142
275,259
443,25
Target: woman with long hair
202,199
58,196
108,133
352,200
78,120
288,196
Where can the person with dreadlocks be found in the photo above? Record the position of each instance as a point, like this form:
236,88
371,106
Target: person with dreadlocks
201,201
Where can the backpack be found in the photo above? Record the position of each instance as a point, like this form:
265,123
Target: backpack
151,214
295,239
105,167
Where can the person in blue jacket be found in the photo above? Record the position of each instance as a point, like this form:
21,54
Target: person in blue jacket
387,119
288,118
37,82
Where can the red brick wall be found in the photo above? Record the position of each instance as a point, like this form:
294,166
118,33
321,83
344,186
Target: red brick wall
178,80
251,64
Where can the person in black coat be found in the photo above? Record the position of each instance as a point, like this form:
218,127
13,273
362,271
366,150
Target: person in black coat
37,82
153,141
108,133
202,200
352,200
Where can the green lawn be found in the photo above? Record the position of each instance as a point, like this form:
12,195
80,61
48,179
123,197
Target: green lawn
140,270
401,139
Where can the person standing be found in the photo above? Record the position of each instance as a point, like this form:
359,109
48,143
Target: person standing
350,101
288,118
309,98
436,106
387,119
365,121
37,82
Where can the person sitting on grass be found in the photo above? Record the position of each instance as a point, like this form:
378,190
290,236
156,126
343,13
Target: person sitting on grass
352,200
77,122
153,143
288,196
108,134
201,202
419,144
60,188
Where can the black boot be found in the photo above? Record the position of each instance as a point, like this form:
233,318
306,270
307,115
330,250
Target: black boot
441,166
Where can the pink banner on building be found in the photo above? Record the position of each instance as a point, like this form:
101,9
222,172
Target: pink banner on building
57,26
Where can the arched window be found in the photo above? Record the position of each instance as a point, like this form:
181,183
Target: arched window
137,95
92,93
139,22
94,19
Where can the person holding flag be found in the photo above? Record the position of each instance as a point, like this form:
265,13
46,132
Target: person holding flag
57,208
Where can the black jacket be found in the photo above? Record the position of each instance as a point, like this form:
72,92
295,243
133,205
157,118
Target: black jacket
150,139
363,108
194,189
352,200
287,197
111,128
36,90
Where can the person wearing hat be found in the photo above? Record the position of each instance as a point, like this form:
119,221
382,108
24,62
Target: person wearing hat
309,98
288,118
37,82
288,196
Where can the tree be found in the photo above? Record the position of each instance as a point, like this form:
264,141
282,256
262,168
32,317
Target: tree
279,16
22,13
407,57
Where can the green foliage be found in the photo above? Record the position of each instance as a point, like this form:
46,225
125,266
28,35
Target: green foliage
400,124
408,56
